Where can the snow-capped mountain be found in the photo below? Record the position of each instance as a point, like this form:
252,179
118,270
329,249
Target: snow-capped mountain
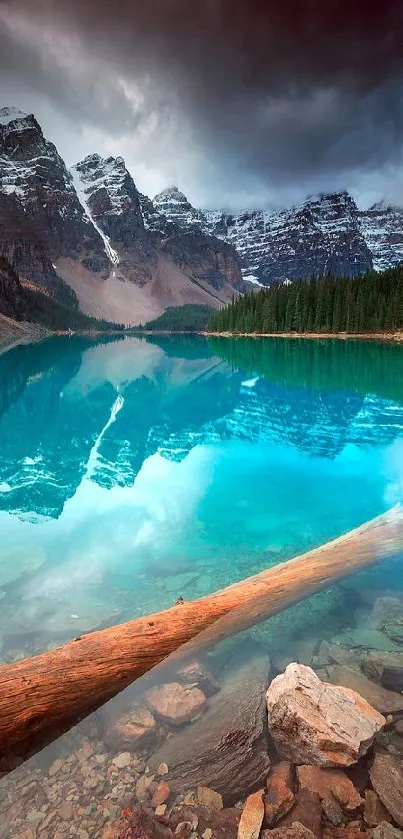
81,233
88,236
382,229
33,173
324,234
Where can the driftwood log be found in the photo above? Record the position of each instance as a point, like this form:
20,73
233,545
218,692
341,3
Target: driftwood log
56,688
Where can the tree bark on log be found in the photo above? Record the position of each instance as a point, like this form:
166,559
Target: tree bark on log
62,685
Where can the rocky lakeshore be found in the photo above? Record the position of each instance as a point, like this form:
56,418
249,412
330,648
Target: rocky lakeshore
296,739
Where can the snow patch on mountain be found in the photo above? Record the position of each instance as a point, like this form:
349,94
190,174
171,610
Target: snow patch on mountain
82,193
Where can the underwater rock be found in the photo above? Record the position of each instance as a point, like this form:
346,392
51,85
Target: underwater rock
386,668
252,817
332,811
279,796
330,783
139,822
132,730
209,798
384,830
385,701
313,722
386,775
307,811
225,749
175,703
393,628
365,639
295,831
196,673
354,830
384,609
335,654
161,794
374,810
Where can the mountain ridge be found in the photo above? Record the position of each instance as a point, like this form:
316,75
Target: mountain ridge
80,234
89,238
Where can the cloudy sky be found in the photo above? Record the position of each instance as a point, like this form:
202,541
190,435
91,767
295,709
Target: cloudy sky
241,103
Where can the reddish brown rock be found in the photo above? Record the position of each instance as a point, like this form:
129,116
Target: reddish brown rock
387,780
175,703
294,831
224,825
252,817
132,730
315,722
374,811
161,794
307,810
385,701
330,783
139,823
350,831
279,796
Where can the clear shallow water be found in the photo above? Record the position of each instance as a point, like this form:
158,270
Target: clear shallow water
134,471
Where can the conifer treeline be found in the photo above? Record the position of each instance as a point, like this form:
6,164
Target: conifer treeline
371,302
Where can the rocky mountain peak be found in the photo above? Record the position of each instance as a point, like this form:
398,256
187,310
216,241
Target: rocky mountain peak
10,115
176,207
110,200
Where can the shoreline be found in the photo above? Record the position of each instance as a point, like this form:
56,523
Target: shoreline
340,336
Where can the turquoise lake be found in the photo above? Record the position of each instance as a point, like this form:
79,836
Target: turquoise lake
135,471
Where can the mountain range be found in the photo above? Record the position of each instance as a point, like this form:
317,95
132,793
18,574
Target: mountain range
88,238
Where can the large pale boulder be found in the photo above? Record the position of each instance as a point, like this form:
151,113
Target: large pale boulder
314,722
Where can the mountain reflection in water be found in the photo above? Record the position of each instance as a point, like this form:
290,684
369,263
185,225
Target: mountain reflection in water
133,471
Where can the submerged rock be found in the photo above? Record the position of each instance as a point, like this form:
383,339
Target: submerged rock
225,749
328,783
384,830
384,609
386,668
387,780
393,628
313,722
175,703
374,812
295,831
134,729
252,817
279,796
306,810
385,701
194,672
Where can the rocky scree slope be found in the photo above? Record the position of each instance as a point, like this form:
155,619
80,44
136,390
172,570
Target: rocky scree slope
325,234
81,233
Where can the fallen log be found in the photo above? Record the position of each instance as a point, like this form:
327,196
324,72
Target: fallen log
45,691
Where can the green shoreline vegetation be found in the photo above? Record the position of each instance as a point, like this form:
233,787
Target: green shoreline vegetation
371,303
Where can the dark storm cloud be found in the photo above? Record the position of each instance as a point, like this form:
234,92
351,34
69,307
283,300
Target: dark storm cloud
281,95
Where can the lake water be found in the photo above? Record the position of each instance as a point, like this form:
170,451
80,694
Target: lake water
136,471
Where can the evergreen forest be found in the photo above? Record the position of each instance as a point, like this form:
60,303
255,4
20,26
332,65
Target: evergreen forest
369,303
